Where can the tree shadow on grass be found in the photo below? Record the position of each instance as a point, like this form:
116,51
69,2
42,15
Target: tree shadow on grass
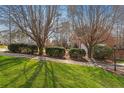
10,62
48,73
30,80
21,73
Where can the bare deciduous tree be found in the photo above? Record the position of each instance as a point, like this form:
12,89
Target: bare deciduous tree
91,23
61,36
35,21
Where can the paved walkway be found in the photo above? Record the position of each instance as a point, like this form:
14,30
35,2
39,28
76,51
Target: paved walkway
46,58
120,67
98,64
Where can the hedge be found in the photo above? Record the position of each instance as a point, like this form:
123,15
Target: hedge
102,52
23,48
76,53
55,52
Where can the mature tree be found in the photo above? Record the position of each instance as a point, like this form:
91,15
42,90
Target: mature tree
91,23
5,20
35,21
61,35
119,30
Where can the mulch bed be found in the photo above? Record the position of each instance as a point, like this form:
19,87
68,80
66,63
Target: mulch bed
80,60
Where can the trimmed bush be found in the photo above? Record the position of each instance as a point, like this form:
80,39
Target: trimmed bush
76,53
102,52
14,48
22,48
55,52
32,49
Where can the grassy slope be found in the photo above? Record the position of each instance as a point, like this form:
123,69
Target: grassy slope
22,72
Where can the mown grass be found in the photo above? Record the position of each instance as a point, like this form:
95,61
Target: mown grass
27,73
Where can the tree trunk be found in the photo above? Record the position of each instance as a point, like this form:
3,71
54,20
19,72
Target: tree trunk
40,50
90,52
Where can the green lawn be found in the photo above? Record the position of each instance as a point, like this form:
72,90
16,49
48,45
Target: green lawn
22,72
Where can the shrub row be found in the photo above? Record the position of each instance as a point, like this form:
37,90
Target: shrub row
76,53
55,52
102,52
22,48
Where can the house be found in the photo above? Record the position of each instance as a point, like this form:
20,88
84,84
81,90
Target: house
16,37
